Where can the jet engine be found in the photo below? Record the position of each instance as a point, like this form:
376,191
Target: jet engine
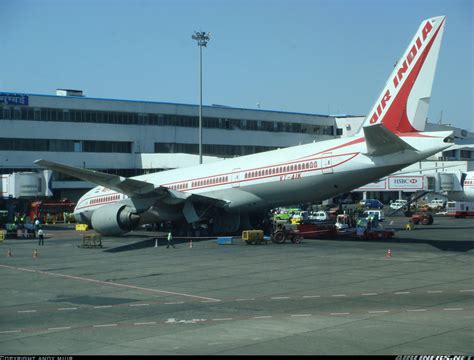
114,219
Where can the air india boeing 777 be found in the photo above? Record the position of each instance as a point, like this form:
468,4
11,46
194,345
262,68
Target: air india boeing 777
390,139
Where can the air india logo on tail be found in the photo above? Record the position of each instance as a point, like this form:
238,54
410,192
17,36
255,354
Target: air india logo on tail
412,54
400,73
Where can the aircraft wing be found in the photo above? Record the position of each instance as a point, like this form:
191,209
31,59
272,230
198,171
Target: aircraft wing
127,186
381,141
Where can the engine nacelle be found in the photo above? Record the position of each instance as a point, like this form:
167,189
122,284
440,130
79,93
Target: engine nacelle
114,219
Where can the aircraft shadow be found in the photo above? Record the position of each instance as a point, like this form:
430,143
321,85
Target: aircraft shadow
150,242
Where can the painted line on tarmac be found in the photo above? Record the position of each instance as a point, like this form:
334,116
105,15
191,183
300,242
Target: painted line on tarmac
434,291
378,311
340,313
67,309
173,321
402,292
369,294
139,305
104,325
467,290
26,311
108,283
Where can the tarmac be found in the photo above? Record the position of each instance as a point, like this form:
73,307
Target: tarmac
332,296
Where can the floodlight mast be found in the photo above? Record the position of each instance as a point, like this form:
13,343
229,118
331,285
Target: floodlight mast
202,39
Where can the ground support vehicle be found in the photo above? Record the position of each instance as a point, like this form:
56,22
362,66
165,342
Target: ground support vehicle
344,221
460,209
377,233
286,232
422,218
367,228
253,237
313,229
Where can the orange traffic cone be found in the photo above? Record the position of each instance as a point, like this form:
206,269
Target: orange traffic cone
191,244
389,253
9,253
35,253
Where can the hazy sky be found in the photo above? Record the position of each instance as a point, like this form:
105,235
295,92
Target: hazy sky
312,56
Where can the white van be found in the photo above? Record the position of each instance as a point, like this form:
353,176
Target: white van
436,204
373,213
319,216
398,204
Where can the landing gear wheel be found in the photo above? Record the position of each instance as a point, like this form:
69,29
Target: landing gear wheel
279,237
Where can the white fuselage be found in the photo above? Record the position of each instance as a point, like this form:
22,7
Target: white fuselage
467,193
305,173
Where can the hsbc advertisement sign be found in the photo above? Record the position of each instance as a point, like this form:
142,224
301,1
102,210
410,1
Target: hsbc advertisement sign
396,183
405,182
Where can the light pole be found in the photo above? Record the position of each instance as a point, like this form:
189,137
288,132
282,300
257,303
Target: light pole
202,39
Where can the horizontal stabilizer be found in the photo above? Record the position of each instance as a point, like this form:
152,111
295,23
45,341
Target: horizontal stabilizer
381,141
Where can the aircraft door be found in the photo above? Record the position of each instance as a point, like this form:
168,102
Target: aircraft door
235,177
326,163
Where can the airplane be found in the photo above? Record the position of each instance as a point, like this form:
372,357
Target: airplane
225,192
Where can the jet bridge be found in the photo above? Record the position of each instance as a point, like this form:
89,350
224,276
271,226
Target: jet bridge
26,185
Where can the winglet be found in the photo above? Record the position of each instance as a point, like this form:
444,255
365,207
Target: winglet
381,141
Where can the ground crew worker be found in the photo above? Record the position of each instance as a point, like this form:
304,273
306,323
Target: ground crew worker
41,237
170,241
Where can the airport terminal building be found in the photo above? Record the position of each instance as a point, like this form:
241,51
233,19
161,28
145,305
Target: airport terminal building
130,138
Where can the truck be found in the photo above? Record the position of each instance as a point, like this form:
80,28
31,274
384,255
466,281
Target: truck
460,209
